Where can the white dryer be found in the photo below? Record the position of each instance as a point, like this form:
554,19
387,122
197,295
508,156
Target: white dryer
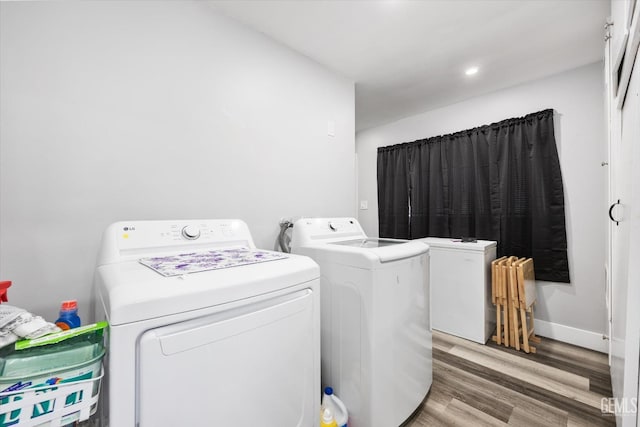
205,329
376,338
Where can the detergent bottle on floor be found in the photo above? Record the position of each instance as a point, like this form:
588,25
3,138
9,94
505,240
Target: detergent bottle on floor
337,407
326,419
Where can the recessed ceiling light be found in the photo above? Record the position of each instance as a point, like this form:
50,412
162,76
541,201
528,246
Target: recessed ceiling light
471,71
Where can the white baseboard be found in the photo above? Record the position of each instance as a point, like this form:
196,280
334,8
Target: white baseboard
571,335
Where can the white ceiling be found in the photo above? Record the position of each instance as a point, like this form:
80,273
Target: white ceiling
410,56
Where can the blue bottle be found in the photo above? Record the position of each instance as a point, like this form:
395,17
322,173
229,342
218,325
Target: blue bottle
69,318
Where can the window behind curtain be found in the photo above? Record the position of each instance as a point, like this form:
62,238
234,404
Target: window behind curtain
497,182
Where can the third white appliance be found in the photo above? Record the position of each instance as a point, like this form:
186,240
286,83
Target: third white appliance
461,287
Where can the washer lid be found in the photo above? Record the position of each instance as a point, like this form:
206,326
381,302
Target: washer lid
369,243
357,255
133,292
441,242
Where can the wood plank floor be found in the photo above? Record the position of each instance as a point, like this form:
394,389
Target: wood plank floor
476,385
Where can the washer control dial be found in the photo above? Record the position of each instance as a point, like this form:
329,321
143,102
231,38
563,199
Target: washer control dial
190,232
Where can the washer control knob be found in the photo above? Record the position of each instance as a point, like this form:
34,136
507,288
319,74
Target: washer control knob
190,232
332,226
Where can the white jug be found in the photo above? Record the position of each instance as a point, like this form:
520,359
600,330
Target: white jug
338,409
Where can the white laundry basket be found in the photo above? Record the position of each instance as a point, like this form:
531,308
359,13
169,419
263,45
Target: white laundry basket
75,398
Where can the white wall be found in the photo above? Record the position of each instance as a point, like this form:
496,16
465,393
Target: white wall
577,97
153,110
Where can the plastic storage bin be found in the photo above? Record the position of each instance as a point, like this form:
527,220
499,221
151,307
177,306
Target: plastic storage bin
50,406
51,386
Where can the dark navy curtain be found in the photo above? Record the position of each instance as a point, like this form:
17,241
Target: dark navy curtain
497,182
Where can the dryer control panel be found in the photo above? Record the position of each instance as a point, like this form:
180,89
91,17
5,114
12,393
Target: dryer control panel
135,239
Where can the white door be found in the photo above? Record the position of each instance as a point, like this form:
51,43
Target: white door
625,250
254,365
631,356
621,191
627,364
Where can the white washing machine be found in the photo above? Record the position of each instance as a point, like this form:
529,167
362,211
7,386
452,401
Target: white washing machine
376,339
205,329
